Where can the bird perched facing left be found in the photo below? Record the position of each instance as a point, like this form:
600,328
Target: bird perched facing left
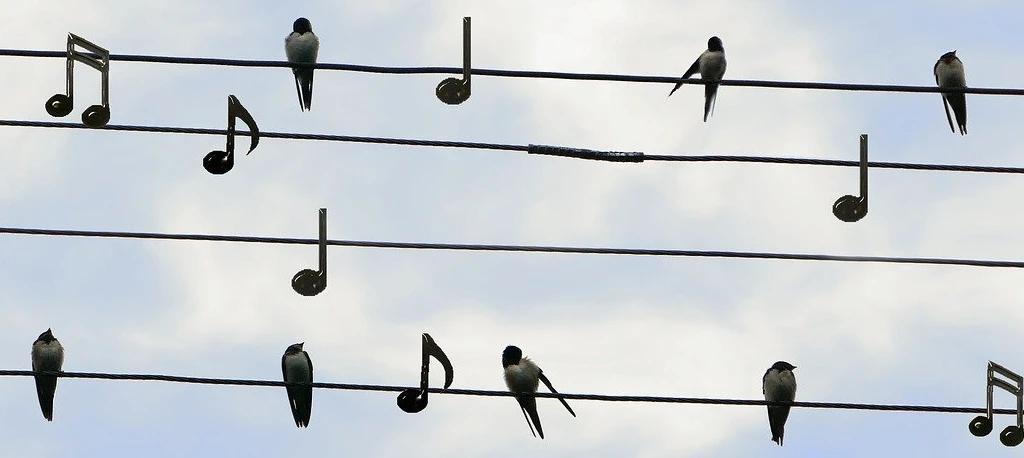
522,377
301,47
297,367
949,73
711,65
778,385
47,355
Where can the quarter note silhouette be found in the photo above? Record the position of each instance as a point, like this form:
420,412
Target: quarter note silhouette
1012,436
849,208
309,282
220,162
60,105
454,91
413,400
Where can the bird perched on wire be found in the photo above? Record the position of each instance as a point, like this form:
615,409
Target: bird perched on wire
711,65
297,367
301,47
778,385
949,73
47,355
522,377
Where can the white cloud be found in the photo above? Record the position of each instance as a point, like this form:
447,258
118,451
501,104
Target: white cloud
602,324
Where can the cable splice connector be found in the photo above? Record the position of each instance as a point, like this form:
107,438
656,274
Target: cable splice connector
579,153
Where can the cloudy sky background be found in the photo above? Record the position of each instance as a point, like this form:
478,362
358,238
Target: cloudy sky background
871,333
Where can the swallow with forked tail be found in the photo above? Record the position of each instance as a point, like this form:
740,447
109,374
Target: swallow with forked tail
523,377
711,66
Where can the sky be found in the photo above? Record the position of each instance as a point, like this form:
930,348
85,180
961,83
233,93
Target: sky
694,327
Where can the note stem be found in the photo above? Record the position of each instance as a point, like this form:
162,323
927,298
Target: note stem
425,366
466,65
864,168
323,245
229,147
71,68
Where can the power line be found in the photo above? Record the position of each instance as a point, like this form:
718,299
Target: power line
612,156
471,392
513,248
283,135
514,73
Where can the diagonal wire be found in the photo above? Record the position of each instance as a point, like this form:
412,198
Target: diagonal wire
513,73
612,156
283,135
513,248
492,393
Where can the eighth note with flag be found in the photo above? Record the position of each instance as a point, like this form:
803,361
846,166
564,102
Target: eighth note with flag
413,400
221,162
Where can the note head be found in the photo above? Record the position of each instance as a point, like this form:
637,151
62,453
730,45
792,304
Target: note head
96,116
1012,436
412,400
452,91
218,162
850,209
309,282
59,105
981,426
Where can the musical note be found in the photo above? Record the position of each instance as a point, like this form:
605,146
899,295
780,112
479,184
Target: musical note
60,105
309,282
1012,436
413,400
454,91
220,162
852,208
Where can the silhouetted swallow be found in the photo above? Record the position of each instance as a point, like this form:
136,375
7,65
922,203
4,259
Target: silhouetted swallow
523,376
711,65
949,73
47,355
301,46
779,385
297,367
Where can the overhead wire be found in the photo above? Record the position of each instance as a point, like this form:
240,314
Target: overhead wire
514,73
514,248
578,153
495,393
534,149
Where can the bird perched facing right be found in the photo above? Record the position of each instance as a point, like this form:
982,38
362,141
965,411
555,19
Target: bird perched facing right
48,356
949,73
711,65
301,46
778,385
522,377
